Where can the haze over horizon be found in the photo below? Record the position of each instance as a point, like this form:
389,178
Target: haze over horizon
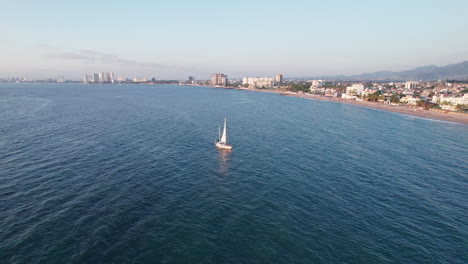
171,40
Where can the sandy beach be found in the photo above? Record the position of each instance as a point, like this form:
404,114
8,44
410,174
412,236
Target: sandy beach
461,118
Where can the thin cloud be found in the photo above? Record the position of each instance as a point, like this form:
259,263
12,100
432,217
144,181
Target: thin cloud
91,57
124,66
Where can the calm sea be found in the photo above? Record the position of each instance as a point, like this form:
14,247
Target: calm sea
129,174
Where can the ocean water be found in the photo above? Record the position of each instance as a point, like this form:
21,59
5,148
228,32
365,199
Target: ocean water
129,174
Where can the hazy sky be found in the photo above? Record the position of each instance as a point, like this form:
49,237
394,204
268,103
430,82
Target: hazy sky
174,39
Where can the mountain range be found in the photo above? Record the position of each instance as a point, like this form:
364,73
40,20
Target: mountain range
457,71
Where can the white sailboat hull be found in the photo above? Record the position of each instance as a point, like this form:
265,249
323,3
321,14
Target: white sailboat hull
222,145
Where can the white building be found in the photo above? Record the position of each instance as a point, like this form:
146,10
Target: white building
352,91
138,80
355,89
88,78
450,102
410,100
259,82
111,77
411,85
317,83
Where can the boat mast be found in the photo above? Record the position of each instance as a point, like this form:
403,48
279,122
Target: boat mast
219,133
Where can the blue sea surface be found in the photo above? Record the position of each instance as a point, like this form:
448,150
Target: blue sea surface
129,174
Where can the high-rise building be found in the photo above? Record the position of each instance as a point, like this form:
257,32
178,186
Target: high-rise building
279,78
88,78
411,85
267,82
219,79
101,77
256,82
95,78
60,79
191,79
107,77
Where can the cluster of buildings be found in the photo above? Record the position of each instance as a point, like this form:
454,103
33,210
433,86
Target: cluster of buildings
448,102
447,96
13,79
101,77
59,79
221,79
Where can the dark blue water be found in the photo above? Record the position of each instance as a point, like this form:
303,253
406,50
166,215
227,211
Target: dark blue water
129,174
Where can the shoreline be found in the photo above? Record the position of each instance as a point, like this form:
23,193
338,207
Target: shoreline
455,117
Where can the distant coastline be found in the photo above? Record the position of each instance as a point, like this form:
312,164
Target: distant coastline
460,118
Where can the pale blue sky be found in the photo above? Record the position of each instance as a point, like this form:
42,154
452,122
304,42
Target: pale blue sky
174,39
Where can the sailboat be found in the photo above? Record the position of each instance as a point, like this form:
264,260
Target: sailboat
221,141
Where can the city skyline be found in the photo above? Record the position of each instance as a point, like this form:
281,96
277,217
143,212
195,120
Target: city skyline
176,40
